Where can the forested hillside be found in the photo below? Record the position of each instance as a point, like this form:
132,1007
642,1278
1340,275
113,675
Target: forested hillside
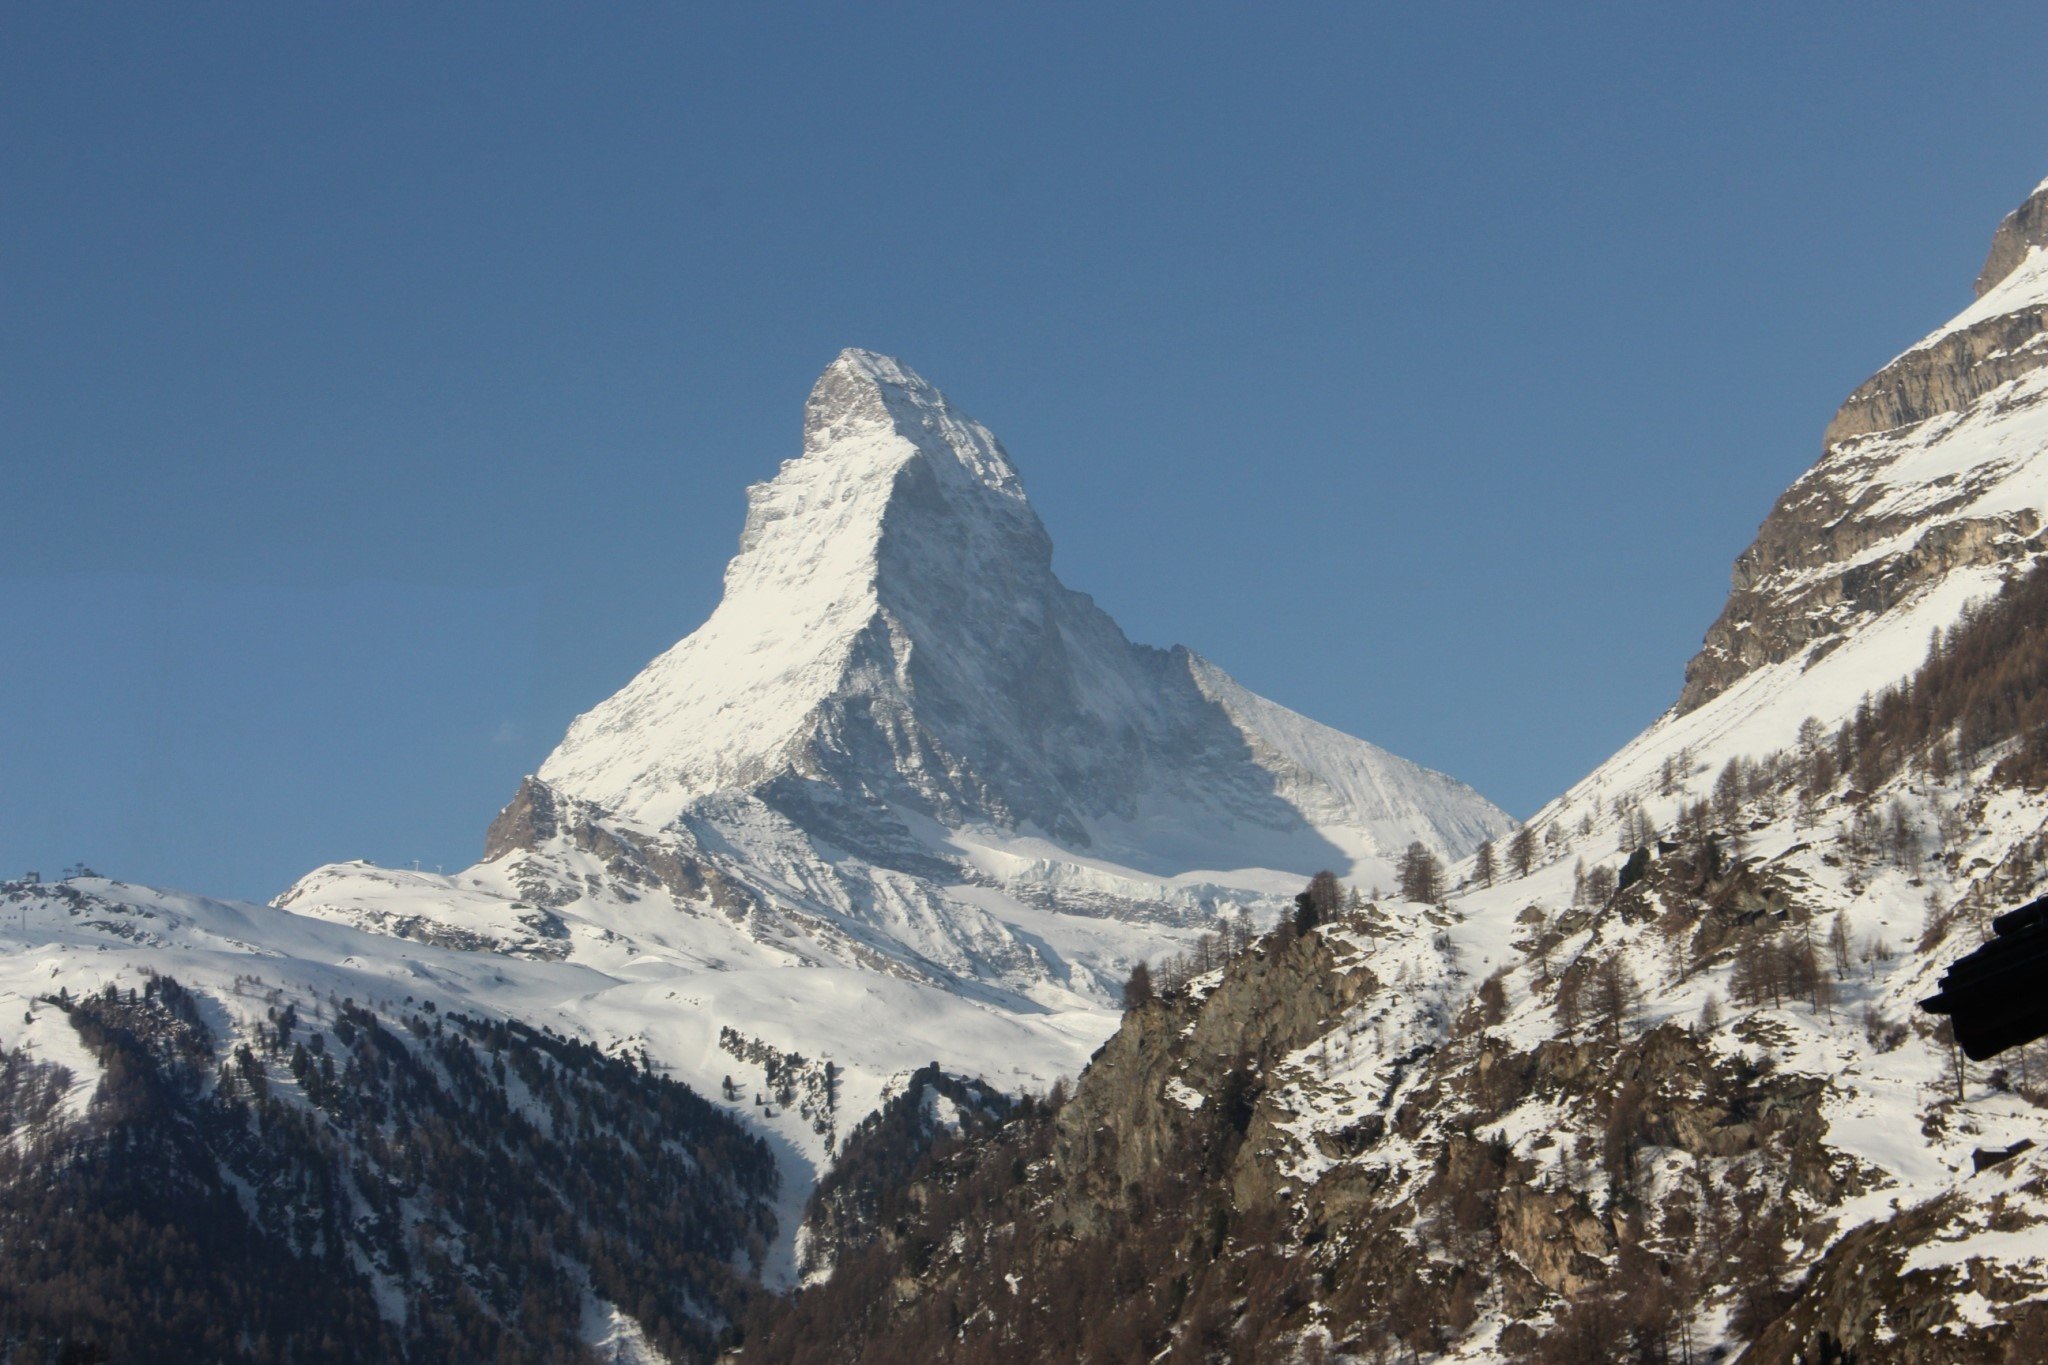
346,1184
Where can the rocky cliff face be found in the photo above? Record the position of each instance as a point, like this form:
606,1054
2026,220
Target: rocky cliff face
2025,228
1891,1290
1180,1067
1918,479
1080,1230
1284,1160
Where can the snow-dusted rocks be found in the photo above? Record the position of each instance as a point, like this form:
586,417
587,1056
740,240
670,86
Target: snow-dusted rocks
1931,469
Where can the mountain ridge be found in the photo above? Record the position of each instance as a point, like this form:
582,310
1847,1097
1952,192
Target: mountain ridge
1889,511
893,600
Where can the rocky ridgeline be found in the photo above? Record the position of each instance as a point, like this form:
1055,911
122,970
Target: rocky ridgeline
1185,1078
1864,530
537,816
1945,376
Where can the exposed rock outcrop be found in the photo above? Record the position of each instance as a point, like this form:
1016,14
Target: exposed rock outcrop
1123,1124
2025,228
1899,1290
537,815
1947,375
1914,483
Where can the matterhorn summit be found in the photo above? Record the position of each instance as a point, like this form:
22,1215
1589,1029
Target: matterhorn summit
903,755
892,634
899,533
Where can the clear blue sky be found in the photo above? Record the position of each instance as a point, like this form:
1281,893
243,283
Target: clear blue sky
378,382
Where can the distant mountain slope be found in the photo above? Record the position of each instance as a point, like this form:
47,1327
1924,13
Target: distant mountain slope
232,1133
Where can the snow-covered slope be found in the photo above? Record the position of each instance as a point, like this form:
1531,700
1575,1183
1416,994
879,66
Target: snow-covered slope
349,1094
902,757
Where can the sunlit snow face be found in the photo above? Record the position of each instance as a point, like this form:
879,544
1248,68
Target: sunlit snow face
892,626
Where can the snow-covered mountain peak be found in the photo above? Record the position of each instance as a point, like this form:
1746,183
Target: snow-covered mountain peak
903,757
902,525
861,387
893,641
864,397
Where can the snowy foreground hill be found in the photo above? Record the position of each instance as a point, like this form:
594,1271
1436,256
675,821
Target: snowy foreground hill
904,797
1653,1087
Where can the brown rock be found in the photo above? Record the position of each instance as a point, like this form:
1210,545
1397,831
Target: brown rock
1794,588
2025,227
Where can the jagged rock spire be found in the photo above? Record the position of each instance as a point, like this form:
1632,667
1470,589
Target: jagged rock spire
2025,228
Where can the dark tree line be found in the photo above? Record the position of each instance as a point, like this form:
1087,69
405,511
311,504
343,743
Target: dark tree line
1985,681
1982,685
119,1239
1319,903
857,1196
